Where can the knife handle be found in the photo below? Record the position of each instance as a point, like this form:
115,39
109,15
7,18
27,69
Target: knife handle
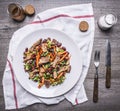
95,90
108,77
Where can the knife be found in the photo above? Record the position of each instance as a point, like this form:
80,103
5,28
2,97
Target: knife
108,64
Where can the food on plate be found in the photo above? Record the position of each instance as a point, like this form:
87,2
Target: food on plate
47,62
83,26
29,10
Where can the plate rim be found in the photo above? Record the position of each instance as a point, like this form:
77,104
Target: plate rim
80,54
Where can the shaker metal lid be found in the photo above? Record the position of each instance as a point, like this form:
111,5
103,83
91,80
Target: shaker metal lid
110,19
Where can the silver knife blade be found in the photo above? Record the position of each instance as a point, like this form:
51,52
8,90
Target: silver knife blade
108,54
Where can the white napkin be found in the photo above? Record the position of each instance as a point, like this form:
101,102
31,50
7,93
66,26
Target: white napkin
66,19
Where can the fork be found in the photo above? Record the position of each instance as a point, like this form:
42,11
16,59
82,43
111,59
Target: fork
96,63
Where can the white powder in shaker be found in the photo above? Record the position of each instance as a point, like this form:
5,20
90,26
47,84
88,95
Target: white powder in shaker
107,21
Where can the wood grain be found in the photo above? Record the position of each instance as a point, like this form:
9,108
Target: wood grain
109,99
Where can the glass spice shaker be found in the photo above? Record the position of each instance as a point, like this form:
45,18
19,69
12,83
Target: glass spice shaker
105,22
16,12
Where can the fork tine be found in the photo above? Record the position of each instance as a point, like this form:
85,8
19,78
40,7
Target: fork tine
98,55
95,55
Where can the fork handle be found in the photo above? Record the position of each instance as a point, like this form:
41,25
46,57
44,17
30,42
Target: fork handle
95,90
108,77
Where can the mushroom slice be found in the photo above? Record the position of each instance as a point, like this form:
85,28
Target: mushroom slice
42,69
31,75
69,69
44,60
54,74
35,44
65,68
57,58
47,83
28,57
44,47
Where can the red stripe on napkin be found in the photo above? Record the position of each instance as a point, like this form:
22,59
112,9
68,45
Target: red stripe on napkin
76,101
14,84
62,15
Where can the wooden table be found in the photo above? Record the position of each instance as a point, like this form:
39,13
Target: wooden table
109,99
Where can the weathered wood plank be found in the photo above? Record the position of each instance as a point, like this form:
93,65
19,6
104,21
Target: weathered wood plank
107,100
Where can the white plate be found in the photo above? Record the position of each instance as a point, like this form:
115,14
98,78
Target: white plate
75,61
